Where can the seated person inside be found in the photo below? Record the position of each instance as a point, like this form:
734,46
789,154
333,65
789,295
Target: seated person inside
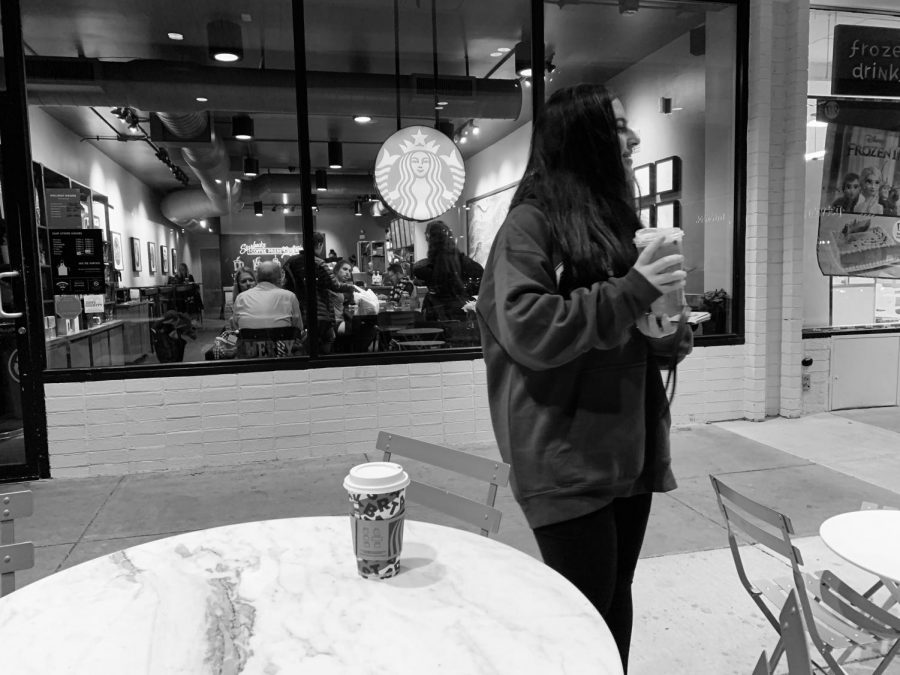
452,277
267,305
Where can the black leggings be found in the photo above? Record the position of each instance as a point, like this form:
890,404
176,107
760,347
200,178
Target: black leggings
598,553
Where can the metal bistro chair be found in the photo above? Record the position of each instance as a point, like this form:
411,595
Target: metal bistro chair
794,636
837,618
480,514
14,557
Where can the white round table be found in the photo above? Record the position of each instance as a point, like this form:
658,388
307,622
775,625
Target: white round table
868,539
284,596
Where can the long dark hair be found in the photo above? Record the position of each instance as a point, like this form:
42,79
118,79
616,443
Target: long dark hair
576,175
446,271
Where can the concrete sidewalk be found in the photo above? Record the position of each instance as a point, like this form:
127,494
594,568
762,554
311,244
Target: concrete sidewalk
691,614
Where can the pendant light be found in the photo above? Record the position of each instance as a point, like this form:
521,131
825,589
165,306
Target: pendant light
357,208
242,127
321,180
251,166
257,209
224,41
523,59
335,155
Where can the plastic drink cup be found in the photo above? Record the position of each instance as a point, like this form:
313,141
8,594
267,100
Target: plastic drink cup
377,493
672,303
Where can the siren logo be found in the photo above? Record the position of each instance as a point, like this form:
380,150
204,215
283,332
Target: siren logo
419,173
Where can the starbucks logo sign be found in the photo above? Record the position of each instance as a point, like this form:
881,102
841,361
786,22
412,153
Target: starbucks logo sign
419,173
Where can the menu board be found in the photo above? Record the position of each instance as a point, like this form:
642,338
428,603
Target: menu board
76,259
63,208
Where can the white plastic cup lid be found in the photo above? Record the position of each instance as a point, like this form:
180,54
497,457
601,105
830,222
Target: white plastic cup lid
645,236
376,478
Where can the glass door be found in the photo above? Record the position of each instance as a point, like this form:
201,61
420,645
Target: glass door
22,412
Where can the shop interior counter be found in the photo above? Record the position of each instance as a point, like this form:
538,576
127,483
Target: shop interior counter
94,346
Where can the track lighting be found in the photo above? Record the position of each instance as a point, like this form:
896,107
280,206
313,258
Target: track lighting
225,41
321,180
242,127
251,166
335,155
257,209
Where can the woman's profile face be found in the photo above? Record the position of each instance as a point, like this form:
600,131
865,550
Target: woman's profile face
245,281
628,138
420,162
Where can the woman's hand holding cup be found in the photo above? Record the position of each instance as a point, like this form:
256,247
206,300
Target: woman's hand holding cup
664,274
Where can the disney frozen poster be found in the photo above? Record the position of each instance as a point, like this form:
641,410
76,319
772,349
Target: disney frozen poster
859,221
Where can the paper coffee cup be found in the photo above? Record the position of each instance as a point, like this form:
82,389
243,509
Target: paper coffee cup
377,492
672,303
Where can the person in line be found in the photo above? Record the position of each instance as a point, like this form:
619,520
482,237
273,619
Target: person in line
847,201
573,353
295,270
870,180
267,305
446,272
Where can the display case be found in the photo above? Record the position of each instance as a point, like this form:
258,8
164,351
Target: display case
372,255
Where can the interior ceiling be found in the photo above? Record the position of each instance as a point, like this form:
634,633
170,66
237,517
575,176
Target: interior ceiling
586,40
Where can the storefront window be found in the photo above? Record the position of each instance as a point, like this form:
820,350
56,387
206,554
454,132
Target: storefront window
852,272
673,65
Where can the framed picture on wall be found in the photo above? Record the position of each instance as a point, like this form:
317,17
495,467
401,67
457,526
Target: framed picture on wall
644,179
135,254
647,215
668,175
668,214
151,256
118,257
174,261
164,259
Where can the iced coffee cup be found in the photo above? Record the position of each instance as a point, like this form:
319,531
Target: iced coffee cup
672,303
377,493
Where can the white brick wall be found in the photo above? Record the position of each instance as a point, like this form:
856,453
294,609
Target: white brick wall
183,423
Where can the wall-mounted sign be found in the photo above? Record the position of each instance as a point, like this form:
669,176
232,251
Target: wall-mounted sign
419,173
63,208
250,250
76,260
866,61
859,113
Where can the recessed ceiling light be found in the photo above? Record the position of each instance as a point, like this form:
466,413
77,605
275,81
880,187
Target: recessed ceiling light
362,119
503,50
439,107
218,181
442,103
176,36
497,53
201,99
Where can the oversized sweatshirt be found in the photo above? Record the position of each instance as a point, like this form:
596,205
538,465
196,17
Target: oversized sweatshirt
577,400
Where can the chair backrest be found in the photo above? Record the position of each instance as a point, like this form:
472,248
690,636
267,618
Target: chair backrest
494,472
13,556
263,342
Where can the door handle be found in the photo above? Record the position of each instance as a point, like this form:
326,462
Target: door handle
4,314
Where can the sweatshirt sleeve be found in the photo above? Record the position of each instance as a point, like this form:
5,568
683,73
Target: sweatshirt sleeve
536,325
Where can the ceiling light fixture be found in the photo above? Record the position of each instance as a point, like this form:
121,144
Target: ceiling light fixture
496,54
321,180
201,99
242,127
225,41
335,155
523,59
314,200
251,166
175,36
357,210
362,119
257,209
629,6
503,50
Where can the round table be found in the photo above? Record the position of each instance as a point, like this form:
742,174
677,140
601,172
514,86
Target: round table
870,540
420,333
284,596
420,344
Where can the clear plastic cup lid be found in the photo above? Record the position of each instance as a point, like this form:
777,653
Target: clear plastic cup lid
646,235
376,477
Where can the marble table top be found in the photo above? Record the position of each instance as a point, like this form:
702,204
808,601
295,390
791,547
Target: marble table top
283,596
868,539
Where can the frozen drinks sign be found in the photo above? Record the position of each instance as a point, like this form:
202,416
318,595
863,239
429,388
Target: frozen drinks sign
419,173
866,61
